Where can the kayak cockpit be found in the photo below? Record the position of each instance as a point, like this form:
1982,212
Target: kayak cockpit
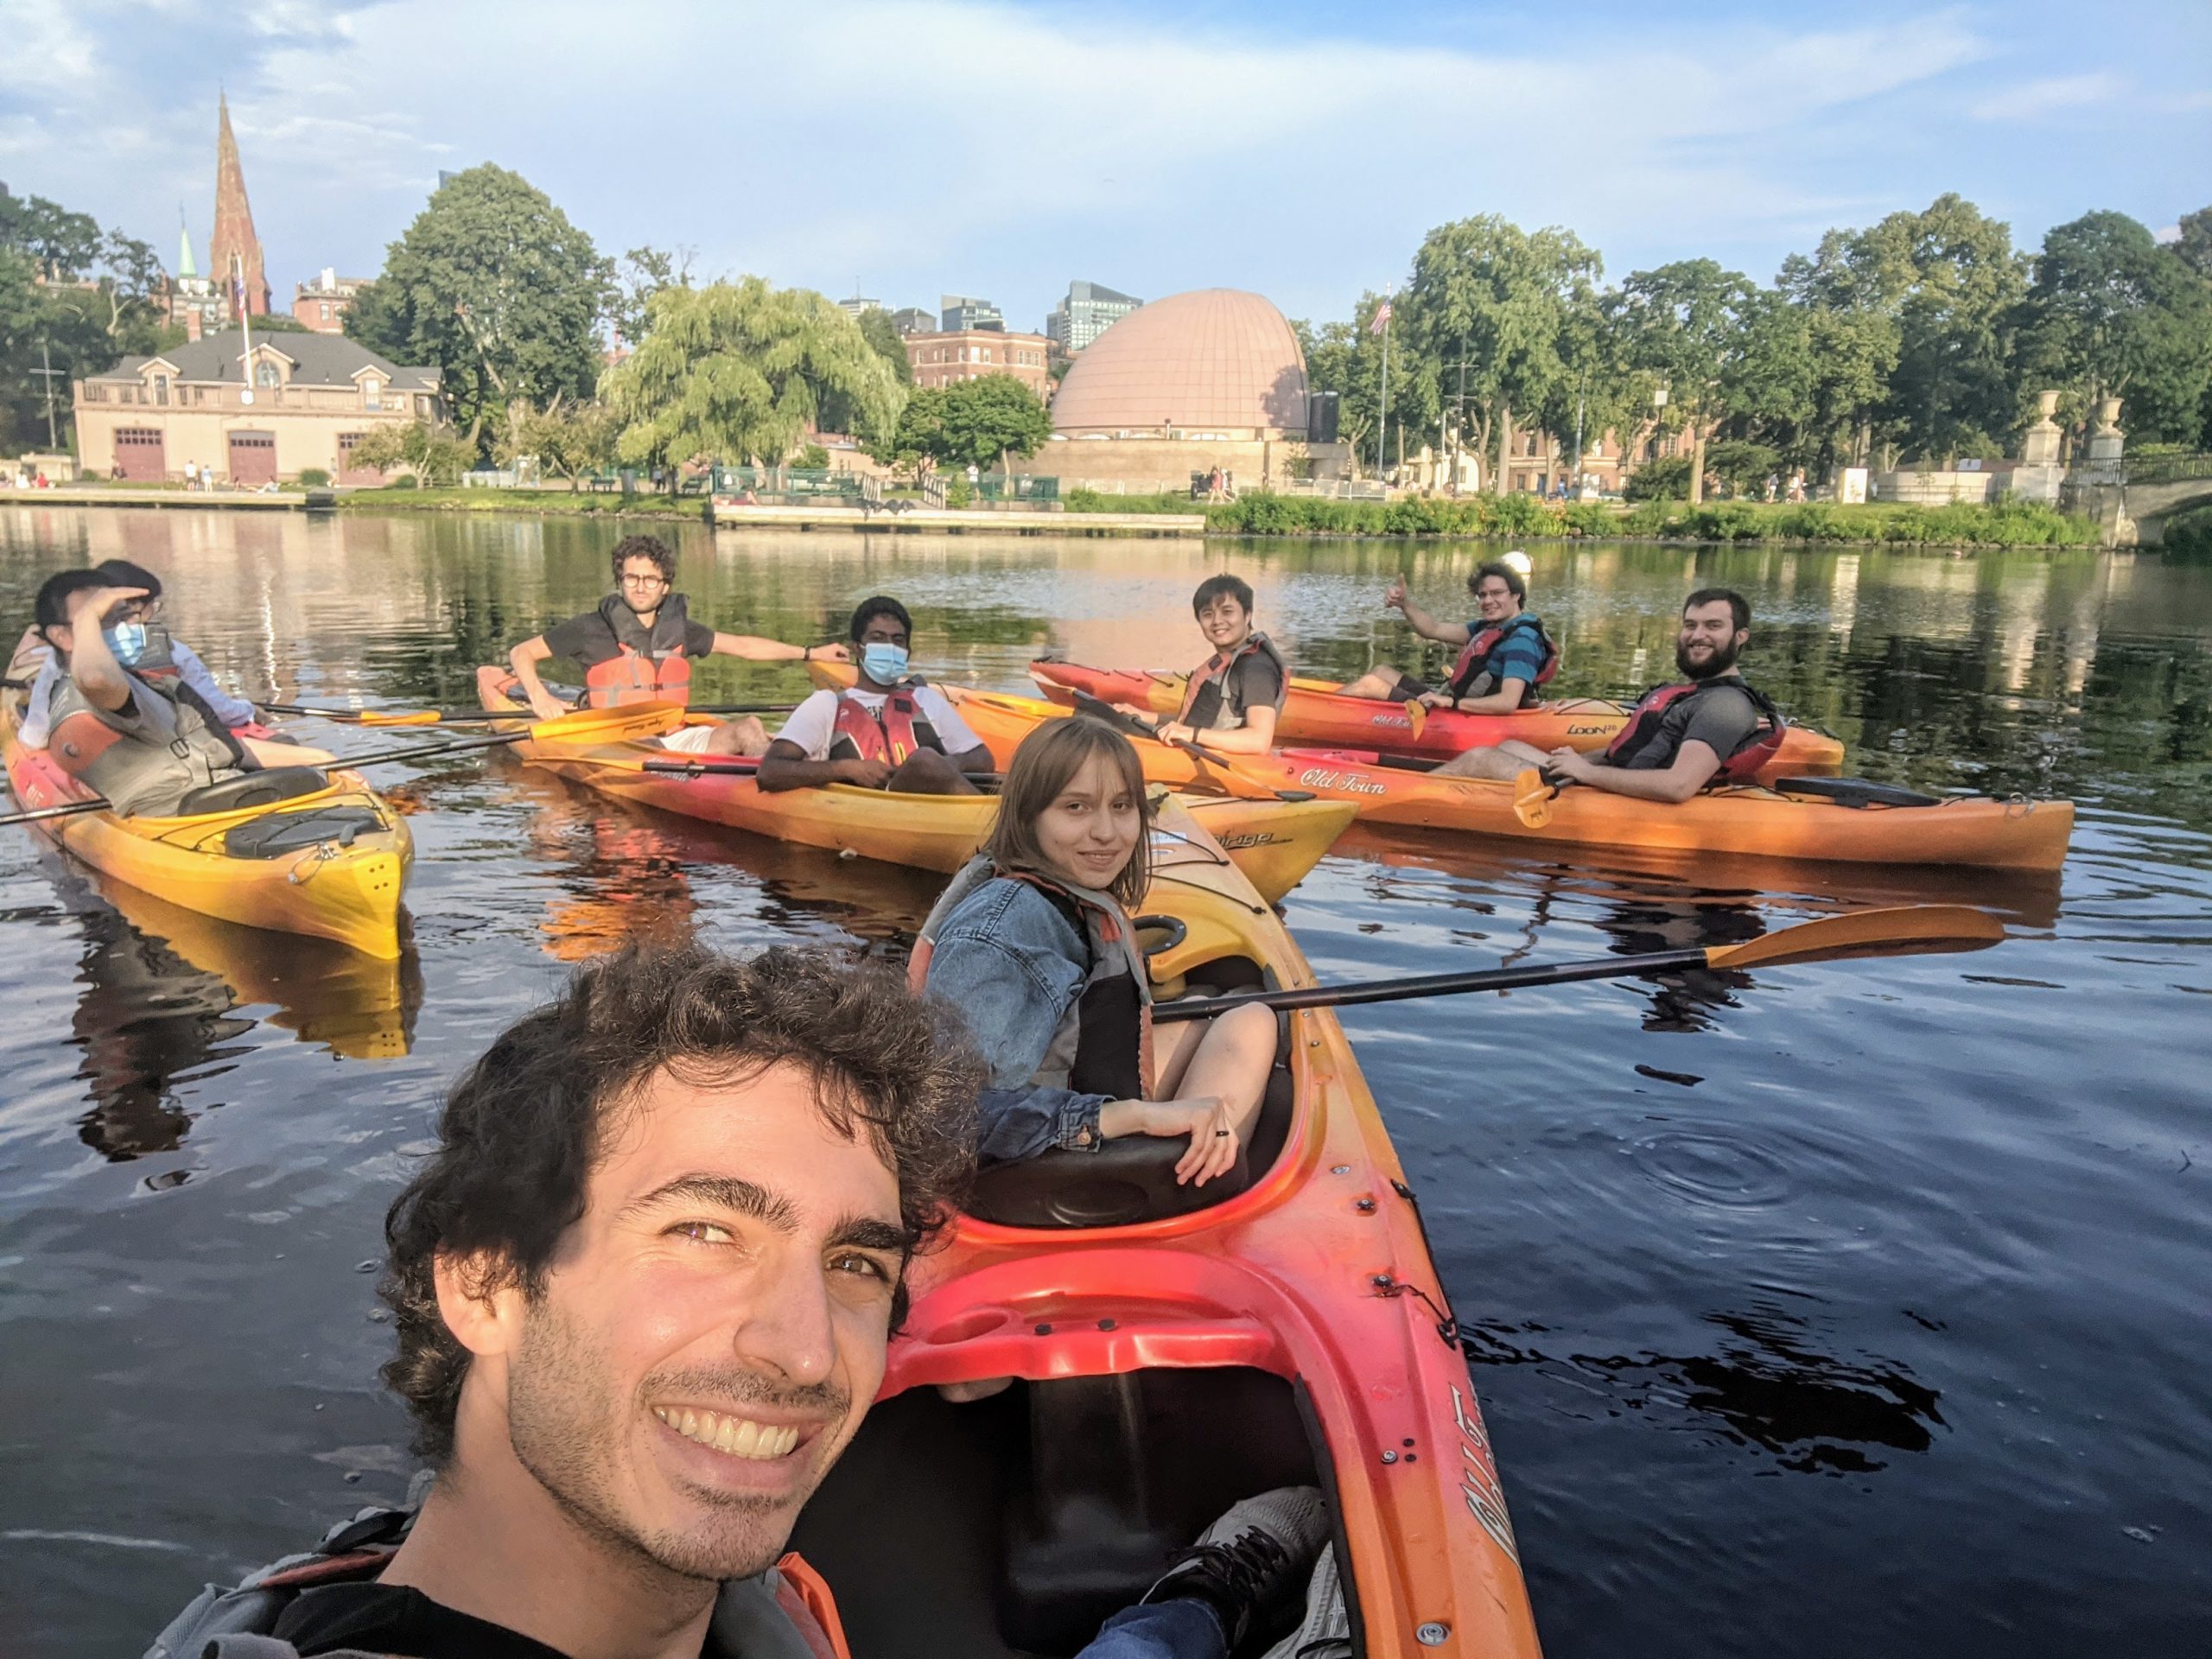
1011,1527
1132,1179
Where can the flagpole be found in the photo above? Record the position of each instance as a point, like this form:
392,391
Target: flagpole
1383,427
246,326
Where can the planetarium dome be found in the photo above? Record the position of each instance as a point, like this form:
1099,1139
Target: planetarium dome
1213,363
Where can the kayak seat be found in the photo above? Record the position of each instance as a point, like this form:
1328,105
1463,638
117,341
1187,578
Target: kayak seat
263,788
274,834
1856,792
1132,1178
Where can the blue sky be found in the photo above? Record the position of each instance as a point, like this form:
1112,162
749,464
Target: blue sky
1000,149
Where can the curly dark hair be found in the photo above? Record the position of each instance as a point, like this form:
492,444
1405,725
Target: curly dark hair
645,546
526,1123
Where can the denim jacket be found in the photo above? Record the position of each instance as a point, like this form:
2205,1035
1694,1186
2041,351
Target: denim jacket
1013,965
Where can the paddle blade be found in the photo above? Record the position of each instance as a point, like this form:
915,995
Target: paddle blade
370,718
1892,930
1532,798
625,724
1416,715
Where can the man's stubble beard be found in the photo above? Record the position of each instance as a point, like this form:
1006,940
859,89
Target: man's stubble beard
564,1425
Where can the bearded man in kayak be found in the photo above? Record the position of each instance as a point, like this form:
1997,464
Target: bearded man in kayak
1232,699
642,1292
1504,653
888,732
638,646
145,743
1714,727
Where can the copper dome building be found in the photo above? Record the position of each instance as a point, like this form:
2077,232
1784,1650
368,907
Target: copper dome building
1214,364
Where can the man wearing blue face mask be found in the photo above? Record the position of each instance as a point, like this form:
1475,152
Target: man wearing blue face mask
888,732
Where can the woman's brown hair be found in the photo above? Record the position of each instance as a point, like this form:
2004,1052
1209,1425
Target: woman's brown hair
1047,760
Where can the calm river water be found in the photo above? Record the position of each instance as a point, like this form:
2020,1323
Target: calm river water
1833,1311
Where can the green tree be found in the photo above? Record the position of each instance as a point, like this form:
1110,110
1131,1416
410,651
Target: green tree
2111,313
1346,358
981,423
74,298
882,336
737,370
642,273
434,454
569,439
494,288
1485,315
2194,243
1686,325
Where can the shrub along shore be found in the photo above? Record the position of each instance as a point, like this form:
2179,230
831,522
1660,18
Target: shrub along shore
1524,517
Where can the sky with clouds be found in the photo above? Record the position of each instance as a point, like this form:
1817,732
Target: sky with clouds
1001,148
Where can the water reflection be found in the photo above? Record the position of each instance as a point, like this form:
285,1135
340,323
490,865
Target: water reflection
1767,1384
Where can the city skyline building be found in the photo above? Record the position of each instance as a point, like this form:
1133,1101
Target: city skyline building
912,320
956,355
1089,310
321,304
960,314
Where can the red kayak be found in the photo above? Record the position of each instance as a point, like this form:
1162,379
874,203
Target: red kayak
1317,714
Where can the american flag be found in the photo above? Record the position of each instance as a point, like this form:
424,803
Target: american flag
1382,319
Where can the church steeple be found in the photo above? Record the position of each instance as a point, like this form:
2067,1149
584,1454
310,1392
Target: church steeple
185,268
234,251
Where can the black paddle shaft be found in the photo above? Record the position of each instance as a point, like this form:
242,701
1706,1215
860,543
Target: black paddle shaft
1397,990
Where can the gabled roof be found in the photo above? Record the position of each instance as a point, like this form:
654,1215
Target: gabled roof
317,361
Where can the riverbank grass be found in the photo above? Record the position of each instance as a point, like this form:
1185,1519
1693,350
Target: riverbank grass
554,502
2006,523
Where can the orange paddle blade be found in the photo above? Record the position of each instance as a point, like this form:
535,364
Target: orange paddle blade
1532,798
1887,931
631,720
1416,715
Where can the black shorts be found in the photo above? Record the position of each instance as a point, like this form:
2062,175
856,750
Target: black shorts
1409,688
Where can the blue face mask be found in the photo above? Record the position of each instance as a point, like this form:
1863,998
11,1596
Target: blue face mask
127,641
885,665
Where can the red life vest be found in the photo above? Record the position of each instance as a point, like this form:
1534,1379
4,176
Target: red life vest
892,735
1754,752
647,667
1226,711
1474,660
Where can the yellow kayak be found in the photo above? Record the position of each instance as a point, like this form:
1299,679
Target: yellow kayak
1273,842
346,888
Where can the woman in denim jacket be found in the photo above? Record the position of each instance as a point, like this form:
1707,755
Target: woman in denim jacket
1032,943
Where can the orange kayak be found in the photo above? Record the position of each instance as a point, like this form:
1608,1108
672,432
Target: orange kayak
1314,715
1168,1360
1750,820
1274,841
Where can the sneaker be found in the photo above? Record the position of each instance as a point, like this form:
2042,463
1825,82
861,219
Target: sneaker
1250,1565
1325,1631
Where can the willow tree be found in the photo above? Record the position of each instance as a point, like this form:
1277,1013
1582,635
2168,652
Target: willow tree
738,371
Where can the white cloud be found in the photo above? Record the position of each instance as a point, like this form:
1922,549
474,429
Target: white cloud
46,46
2033,99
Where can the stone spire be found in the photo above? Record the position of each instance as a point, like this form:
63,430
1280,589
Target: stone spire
234,241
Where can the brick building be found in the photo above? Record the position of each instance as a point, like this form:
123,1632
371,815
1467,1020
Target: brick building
939,359
323,304
312,397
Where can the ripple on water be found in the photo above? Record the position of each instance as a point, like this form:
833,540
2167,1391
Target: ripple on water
1717,1167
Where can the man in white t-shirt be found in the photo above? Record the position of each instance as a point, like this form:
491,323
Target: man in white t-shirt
888,732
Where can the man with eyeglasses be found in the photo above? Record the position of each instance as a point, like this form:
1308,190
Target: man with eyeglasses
638,646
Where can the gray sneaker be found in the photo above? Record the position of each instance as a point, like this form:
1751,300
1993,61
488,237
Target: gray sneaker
1250,1565
1325,1631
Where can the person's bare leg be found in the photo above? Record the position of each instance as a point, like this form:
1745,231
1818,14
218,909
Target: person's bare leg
495,680
1229,1056
927,772
744,735
1503,764
1376,683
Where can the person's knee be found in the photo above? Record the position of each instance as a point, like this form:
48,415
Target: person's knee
493,679
1254,1030
744,736
927,772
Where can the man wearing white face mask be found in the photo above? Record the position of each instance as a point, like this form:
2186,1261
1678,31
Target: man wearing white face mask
889,732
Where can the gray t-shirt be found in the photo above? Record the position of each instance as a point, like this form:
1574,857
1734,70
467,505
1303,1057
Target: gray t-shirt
1721,718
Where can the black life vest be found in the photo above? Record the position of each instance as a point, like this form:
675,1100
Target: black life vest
1472,676
785,1612
649,665
892,734
1103,1044
1754,752
1214,699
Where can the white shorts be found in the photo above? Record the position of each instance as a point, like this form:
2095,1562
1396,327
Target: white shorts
688,740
